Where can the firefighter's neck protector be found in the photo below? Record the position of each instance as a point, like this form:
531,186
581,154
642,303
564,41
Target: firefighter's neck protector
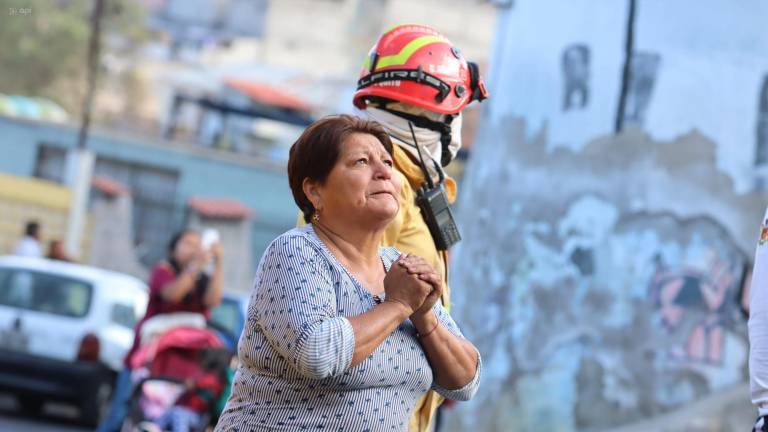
439,140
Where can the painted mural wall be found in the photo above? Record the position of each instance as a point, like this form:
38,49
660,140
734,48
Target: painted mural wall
611,292
603,276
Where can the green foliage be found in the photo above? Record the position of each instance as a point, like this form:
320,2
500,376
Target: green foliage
45,44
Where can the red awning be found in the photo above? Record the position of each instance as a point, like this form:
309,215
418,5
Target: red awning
220,208
268,95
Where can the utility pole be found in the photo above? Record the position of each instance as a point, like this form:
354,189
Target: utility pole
626,74
94,48
80,161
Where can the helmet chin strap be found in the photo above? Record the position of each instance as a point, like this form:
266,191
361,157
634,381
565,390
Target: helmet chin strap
445,142
443,127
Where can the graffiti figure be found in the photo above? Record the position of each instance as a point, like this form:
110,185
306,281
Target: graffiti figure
576,77
694,297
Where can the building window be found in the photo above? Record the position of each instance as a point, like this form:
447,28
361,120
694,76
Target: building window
576,77
51,163
153,190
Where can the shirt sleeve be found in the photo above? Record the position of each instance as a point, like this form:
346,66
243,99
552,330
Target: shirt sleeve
468,391
758,323
295,306
161,276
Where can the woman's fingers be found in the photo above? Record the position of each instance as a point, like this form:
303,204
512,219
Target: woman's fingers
419,269
432,279
414,262
412,259
429,278
422,270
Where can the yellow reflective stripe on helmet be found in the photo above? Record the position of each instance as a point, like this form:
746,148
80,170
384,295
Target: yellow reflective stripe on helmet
407,51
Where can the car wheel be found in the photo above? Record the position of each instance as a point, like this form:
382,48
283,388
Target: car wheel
31,405
96,406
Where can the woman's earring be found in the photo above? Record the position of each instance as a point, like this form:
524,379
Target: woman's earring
316,217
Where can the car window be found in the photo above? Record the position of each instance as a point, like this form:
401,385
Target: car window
124,315
45,292
227,315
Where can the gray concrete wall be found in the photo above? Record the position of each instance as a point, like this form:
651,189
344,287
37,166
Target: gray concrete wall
602,286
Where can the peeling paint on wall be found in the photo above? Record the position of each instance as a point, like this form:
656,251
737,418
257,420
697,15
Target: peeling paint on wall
611,292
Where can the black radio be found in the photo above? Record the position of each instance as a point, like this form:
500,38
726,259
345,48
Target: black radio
435,208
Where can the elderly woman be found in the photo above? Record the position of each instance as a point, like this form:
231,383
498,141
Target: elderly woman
343,334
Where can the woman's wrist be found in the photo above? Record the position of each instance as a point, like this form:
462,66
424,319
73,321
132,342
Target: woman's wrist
424,322
403,309
424,334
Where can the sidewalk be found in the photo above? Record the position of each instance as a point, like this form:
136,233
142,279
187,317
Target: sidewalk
724,411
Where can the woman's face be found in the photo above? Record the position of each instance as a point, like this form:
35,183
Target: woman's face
188,246
361,186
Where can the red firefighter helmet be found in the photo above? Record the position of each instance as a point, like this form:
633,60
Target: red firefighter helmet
416,65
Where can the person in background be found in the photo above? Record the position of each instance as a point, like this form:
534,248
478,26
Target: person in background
176,284
29,245
56,251
414,74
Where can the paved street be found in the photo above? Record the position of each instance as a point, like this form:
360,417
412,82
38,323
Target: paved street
54,418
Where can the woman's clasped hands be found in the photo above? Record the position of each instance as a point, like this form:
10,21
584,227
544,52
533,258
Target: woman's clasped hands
414,284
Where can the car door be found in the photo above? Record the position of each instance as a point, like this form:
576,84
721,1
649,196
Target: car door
124,304
43,313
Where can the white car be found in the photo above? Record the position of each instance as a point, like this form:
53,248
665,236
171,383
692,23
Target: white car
64,330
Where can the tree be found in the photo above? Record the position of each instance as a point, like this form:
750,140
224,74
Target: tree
45,45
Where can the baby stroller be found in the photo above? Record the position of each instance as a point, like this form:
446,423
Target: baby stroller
162,369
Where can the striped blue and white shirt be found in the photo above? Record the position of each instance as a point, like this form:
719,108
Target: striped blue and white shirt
296,349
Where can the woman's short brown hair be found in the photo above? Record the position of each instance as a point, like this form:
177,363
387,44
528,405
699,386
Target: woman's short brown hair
315,153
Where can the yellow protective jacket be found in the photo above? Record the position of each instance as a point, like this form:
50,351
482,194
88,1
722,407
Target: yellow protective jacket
409,233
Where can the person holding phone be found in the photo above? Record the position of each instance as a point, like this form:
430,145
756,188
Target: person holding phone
176,284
